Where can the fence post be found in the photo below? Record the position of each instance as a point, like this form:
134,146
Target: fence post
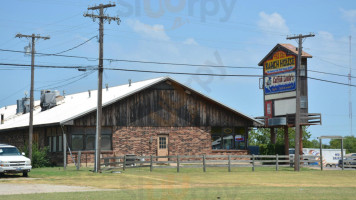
106,162
177,163
253,162
229,163
124,165
321,154
276,162
78,161
151,163
204,167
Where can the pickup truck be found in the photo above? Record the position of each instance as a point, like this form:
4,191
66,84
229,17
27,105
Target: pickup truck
12,161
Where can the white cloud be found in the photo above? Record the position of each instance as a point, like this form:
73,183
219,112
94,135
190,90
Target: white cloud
349,15
272,23
190,41
325,35
156,31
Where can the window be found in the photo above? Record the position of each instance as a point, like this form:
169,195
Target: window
55,143
90,142
60,143
228,138
84,138
50,144
77,142
162,142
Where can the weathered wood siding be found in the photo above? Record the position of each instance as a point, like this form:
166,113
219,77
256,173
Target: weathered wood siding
165,104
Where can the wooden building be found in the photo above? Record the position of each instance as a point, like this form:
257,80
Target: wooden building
154,117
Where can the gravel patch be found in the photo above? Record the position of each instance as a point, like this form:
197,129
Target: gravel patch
10,188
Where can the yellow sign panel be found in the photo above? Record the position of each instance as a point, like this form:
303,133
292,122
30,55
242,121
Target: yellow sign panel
279,63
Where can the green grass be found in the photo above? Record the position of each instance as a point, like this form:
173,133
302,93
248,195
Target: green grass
241,183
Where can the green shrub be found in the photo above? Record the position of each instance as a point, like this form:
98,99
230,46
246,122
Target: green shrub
40,157
271,149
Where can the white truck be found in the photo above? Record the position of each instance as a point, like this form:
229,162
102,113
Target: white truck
331,157
12,161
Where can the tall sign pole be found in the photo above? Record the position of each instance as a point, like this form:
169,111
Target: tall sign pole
101,18
298,128
30,132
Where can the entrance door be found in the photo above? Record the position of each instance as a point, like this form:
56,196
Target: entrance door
162,149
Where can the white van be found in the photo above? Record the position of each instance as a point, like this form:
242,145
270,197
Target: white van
12,161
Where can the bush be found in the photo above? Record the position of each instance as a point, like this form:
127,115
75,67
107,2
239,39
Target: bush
40,157
271,149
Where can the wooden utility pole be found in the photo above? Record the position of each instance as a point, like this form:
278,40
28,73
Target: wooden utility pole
298,129
30,132
101,18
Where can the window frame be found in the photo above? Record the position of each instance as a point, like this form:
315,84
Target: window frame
219,134
88,132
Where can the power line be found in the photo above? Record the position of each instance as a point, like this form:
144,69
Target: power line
331,73
76,46
56,86
180,64
318,79
59,83
163,72
52,66
183,73
137,61
159,63
94,67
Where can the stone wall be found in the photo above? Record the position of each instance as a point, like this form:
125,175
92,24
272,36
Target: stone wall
15,138
142,141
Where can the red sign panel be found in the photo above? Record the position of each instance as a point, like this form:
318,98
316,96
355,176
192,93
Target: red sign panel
268,110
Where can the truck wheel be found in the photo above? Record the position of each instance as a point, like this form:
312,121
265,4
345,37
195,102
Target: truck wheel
25,174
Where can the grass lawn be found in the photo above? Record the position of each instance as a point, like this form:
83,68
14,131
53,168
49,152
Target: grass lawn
241,183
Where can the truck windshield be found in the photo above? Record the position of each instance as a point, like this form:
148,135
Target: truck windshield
9,151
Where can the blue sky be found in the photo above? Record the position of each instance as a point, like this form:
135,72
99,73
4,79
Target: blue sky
226,32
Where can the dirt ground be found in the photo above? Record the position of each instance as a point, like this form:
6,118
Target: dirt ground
10,188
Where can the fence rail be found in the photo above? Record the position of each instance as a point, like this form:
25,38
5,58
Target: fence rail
204,161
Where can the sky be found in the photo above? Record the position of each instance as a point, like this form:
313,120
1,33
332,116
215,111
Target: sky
201,32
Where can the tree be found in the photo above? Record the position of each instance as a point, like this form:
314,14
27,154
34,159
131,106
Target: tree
263,136
349,144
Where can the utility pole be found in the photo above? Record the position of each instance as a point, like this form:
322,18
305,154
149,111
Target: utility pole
298,129
101,18
350,91
30,133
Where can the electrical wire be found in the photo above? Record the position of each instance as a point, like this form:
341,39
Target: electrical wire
331,73
166,63
59,83
135,61
55,86
76,45
168,72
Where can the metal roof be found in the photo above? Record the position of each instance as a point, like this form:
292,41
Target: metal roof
76,105
288,47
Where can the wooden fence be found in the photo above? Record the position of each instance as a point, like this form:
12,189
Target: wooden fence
203,161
